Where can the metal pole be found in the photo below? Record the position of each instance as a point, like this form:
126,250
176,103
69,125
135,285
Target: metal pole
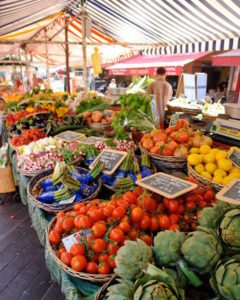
27,68
20,63
84,48
47,62
67,56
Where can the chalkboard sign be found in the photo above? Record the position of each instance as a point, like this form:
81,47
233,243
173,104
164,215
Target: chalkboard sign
91,140
112,160
234,156
166,185
174,119
70,136
231,192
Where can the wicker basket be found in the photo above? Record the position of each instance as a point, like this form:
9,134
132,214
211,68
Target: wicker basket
209,118
7,182
34,188
37,172
86,276
184,110
101,294
203,180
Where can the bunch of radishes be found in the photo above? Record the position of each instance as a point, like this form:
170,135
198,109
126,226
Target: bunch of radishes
116,144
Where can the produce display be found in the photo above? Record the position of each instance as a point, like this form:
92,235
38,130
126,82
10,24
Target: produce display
98,117
67,182
212,164
27,136
185,103
213,110
173,141
115,144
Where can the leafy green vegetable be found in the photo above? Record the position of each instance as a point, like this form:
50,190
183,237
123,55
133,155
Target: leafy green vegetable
85,105
121,291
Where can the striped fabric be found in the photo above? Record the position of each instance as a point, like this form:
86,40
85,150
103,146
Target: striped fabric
182,26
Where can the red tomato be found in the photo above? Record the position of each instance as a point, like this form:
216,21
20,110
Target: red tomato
78,263
82,222
154,224
99,229
112,248
190,206
146,238
119,212
93,257
133,234
104,268
174,227
91,267
54,237
164,222
99,245
60,215
58,227
124,226
174,219
208,196
83,210
68,224
77,249
145,222
116,235
160,207
103,257
111,261
66,258
95,215
180,209
173,206
166,202
129,197
202,204
61,250
137,214
122,203
193,180
137,192
107,211
78,206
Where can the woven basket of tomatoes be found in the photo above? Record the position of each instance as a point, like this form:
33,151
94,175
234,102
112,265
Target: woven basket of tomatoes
27,136
169,146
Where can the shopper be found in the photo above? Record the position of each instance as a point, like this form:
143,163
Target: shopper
162,92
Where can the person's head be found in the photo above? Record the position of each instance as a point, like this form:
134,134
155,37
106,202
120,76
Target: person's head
161,73
2,104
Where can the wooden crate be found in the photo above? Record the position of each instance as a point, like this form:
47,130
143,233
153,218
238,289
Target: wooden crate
6,180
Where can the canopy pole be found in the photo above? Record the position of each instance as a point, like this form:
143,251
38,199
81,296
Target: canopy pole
84,48
67,57
27,68
47,61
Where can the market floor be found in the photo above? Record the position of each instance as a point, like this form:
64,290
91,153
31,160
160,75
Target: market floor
23,273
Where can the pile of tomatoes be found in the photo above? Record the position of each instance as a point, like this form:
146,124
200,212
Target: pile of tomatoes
27,136
105,225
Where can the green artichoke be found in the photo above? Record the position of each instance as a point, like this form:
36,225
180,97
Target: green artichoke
209,215
132,260
121,291
202,250
225,279
157,285
229,230
167,247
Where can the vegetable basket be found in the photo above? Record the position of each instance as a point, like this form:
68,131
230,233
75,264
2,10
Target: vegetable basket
171,162
85,276
32,173
99,126
184,110
203,180
34,189
101,294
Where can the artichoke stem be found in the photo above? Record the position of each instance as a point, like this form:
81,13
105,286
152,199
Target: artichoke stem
192,277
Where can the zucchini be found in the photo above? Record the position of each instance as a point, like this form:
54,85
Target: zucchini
66,128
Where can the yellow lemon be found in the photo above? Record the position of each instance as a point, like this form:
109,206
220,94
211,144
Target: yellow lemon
230,177
214,151
209,158
194,151
221,154
218,179
235,170
206,175
220,172
205,149
194,159
199,168
224,164
210,168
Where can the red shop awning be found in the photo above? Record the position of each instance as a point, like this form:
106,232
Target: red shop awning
147,65
230,58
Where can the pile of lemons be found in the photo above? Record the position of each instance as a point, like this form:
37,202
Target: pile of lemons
213,164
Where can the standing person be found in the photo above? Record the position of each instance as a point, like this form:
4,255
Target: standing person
162,92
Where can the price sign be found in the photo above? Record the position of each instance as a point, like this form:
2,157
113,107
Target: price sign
70,136
234,156
75,238
166,185
174,119
231,192
112,160
92,140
